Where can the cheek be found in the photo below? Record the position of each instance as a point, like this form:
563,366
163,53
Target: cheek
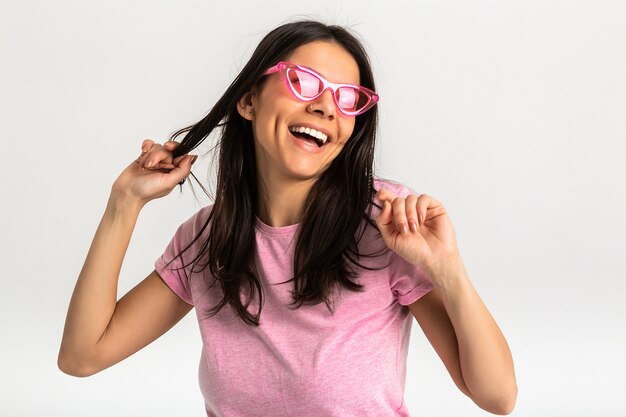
260,131
267,128
346,128
271,113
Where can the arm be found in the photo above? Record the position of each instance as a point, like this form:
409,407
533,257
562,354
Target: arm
468,341
99,330
452,315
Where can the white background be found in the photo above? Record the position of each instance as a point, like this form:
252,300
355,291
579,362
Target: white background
512,113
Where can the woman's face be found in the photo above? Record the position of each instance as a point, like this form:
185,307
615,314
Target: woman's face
282,156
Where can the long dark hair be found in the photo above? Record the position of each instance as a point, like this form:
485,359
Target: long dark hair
329,234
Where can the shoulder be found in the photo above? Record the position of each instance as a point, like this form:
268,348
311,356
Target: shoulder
195,224
395,187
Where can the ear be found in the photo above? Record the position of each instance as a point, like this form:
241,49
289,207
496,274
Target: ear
245,105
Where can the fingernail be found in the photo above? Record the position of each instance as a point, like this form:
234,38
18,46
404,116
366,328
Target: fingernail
193,158
405,230
149,164
413,226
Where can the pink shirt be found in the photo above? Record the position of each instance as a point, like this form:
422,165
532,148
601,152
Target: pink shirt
304,362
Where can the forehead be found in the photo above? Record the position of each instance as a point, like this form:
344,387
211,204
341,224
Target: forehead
330,59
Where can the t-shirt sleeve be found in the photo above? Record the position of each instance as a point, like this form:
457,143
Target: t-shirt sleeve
176,274
408,282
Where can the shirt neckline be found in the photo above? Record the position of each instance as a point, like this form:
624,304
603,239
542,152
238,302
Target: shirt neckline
276,231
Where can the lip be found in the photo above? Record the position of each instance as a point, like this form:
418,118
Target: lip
305,146
316,127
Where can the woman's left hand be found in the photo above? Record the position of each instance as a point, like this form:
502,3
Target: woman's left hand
429,241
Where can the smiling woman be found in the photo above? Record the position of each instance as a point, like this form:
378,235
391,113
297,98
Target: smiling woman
330,332
274,109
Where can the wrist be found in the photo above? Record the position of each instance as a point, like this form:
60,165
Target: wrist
120,201
449,271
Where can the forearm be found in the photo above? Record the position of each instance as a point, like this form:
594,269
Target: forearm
95,294
484,355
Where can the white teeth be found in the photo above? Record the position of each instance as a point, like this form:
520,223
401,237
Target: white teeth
317,134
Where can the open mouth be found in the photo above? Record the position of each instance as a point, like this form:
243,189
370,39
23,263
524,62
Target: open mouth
309,135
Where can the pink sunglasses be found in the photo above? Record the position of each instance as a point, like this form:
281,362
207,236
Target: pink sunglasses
307,85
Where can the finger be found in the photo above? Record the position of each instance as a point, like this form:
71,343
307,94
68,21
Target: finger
384,217
425,202
176,160
182,170
171,144
148,147
399,215
411,212
142,159
385,195
147,160
156,156
161,166
146,144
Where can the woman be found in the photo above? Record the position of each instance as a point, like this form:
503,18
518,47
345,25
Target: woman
297,221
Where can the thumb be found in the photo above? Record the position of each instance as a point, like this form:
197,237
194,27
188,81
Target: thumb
385,219
182,170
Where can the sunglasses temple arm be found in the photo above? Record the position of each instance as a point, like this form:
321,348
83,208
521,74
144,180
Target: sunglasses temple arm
271,70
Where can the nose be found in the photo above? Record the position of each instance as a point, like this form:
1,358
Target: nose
324,105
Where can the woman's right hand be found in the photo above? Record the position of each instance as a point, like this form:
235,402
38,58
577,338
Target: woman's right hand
154,174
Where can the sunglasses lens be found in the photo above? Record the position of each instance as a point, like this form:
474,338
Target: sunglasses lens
351,99
305,84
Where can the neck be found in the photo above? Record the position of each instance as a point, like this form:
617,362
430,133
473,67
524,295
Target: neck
280,203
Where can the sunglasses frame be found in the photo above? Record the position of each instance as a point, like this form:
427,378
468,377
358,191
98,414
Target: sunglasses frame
283,66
